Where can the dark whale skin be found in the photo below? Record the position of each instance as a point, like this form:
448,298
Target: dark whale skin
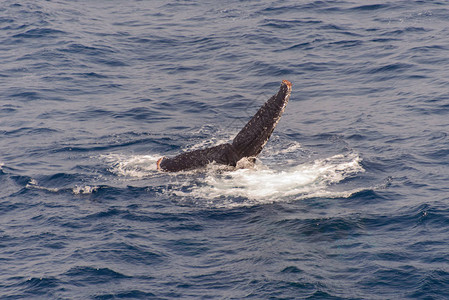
248,143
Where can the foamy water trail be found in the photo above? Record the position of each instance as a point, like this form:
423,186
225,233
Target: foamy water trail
264,185
259,184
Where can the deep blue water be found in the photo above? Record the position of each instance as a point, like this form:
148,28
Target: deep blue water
349,199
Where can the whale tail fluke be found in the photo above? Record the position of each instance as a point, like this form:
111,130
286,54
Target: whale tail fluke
249,142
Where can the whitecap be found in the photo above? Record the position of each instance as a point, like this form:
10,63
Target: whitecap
84,190
33,184
77,190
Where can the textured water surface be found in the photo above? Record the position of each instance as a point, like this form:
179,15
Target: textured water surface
348,200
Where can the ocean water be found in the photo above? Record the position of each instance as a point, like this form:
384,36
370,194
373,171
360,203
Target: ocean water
348,200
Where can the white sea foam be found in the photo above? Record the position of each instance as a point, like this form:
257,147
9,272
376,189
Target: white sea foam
137,166
84,190
264,185
33,184
218,185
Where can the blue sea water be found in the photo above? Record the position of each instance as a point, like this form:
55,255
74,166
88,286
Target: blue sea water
348,200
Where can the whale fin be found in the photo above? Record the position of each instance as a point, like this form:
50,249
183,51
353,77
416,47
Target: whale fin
249,142
223,154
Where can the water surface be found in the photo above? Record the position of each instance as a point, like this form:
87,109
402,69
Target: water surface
349,199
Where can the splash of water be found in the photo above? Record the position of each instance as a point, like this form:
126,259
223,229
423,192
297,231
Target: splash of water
134,166
257,185
264,185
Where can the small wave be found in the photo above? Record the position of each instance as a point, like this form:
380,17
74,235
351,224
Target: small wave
77,190
33,184
40,33
370,7
86,274
293,147
37,285
84,190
